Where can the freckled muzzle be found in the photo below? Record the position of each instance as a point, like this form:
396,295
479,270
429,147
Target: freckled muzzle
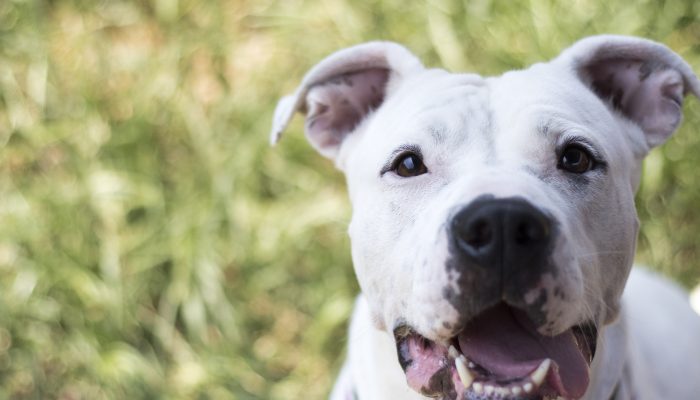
499,249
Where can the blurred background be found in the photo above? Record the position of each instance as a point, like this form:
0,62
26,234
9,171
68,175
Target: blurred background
152,244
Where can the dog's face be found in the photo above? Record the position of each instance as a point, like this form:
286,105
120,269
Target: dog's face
493,219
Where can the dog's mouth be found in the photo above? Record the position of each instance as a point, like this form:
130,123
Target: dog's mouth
499,355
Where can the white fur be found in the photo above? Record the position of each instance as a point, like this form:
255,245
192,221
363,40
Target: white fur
498,136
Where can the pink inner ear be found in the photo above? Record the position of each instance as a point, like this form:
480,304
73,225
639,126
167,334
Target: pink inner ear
649,93
335,107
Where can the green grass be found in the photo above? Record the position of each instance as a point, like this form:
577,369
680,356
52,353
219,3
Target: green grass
153,246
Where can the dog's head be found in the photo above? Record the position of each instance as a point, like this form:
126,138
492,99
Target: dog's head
493,222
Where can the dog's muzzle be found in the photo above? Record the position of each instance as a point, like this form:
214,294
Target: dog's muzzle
500,249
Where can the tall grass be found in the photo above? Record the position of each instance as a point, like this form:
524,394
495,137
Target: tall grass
153,246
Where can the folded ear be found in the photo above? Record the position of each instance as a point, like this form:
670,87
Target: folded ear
642,79
339,92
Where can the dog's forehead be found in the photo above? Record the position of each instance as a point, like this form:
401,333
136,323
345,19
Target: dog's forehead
544,105
517,120
550,98
433,99
432,109
440,107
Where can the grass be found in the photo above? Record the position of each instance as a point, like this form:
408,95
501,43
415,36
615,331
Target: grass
153,246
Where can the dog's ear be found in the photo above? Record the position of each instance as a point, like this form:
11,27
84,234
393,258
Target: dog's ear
342,90
643,80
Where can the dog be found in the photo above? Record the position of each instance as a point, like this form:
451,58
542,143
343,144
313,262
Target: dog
493,230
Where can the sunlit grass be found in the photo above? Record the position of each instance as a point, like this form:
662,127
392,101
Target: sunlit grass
152,245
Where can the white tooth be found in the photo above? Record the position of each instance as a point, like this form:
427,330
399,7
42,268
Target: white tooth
471,365
528,387
478,388
540,373
516,390
453,352
464,375
489,389
503,392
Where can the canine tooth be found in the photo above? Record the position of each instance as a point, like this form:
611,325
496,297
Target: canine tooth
453,352
489,389
471,365
528,387
516,390
540,373
478,388
464,375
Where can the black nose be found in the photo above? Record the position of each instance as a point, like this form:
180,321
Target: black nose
509,234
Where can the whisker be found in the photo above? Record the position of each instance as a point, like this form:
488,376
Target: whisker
598,253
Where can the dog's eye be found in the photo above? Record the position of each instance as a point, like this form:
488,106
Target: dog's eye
408,165
575,159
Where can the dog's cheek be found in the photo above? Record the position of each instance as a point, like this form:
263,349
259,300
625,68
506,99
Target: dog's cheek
370,282
604,252
566,302
383,277
618,244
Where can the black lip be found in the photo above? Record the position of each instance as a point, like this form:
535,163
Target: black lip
401,333
587,335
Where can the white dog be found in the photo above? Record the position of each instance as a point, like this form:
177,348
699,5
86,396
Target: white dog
494,227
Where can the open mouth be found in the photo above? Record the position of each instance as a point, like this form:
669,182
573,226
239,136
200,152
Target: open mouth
499,355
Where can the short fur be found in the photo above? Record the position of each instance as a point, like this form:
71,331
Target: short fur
499,136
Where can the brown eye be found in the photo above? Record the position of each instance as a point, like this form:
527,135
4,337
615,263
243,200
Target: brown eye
409,165
576,160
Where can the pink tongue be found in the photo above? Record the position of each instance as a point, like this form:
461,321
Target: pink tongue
505,342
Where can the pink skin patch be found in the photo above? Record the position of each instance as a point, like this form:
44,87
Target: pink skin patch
430,369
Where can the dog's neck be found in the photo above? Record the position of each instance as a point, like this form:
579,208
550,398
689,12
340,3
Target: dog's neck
611,382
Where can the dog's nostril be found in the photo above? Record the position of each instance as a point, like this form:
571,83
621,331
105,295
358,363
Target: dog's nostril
479,234
494,232
529,232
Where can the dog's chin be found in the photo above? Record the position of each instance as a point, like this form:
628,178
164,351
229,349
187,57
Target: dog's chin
499,355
